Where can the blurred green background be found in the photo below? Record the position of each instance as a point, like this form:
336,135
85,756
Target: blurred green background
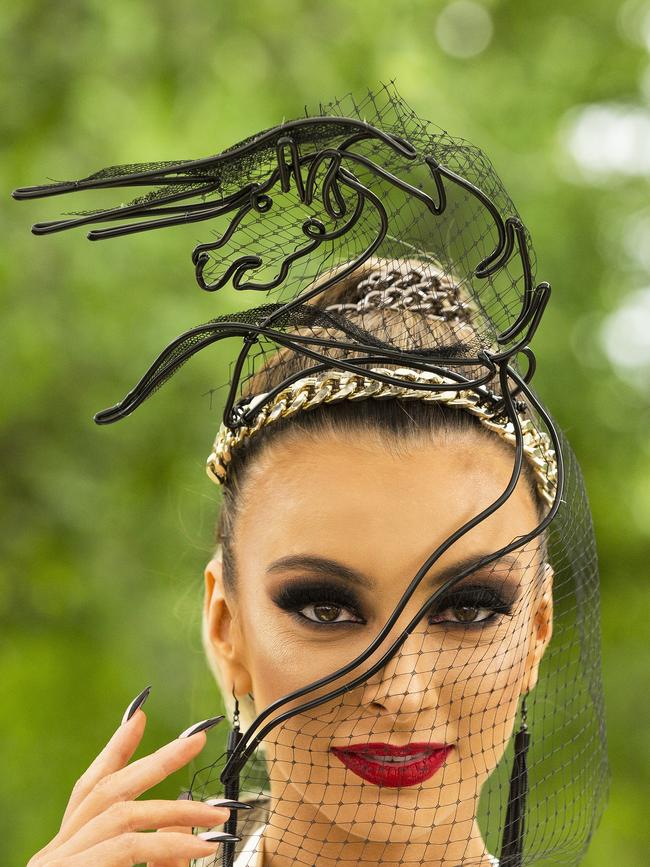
105,530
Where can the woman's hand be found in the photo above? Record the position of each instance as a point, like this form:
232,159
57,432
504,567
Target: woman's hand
102,822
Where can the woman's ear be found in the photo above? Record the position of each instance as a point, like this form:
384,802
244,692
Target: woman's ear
213,575
221,629
542,629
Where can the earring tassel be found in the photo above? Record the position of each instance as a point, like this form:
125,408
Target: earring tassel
512,846
231,791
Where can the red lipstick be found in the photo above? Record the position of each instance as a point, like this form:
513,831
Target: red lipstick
385,765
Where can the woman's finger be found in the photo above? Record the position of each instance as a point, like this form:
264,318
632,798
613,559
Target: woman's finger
115,754
126,816
177,862
215,802
135,848
127,783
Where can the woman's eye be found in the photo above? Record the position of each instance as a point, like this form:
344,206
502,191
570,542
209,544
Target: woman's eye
462,614
324,612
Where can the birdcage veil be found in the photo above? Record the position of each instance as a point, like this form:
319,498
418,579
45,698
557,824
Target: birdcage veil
381,262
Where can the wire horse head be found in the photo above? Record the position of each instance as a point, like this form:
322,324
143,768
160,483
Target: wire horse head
297,172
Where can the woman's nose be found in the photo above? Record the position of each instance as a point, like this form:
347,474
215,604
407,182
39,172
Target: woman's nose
406,683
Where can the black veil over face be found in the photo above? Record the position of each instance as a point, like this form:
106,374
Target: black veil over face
370,190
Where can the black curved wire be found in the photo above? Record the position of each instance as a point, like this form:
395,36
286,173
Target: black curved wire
159,370
202,176
509,231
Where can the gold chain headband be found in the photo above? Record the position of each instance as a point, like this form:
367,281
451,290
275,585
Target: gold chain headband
334,385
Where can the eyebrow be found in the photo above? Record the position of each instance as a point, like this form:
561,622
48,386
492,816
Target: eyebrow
326,567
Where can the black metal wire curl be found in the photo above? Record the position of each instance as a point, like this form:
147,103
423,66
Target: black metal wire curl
205,176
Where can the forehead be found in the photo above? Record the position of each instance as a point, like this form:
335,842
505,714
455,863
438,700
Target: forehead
352,497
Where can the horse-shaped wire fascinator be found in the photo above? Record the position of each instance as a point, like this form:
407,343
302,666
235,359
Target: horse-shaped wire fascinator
381,262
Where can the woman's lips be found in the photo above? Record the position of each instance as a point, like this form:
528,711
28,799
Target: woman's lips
385,765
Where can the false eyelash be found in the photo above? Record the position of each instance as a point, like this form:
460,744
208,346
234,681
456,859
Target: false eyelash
474,596
295,595
479,595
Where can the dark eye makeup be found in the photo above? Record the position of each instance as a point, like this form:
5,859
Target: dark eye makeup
319,604
318,596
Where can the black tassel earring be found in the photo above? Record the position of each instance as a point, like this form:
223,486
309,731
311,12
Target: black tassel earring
512,846
231,788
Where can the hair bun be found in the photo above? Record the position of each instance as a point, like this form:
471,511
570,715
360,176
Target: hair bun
408,285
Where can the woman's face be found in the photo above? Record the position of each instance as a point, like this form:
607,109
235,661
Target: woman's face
329,535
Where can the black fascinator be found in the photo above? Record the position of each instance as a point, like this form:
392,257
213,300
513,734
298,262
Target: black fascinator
379,258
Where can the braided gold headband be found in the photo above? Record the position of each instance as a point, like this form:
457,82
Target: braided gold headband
334,385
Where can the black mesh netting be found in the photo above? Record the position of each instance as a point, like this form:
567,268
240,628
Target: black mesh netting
454,716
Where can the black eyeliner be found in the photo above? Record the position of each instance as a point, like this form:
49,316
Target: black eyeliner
477,595
300,592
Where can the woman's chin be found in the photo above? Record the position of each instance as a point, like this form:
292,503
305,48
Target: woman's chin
386,816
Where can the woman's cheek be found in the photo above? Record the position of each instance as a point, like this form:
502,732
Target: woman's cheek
282,657
484,706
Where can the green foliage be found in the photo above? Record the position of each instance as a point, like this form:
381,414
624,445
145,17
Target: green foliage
106,530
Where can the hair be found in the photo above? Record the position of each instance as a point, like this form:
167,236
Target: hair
396,422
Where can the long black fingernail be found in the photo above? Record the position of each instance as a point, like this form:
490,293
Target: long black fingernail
137,702
225,802
202,726
218,837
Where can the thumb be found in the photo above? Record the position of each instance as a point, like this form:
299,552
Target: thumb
181,829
